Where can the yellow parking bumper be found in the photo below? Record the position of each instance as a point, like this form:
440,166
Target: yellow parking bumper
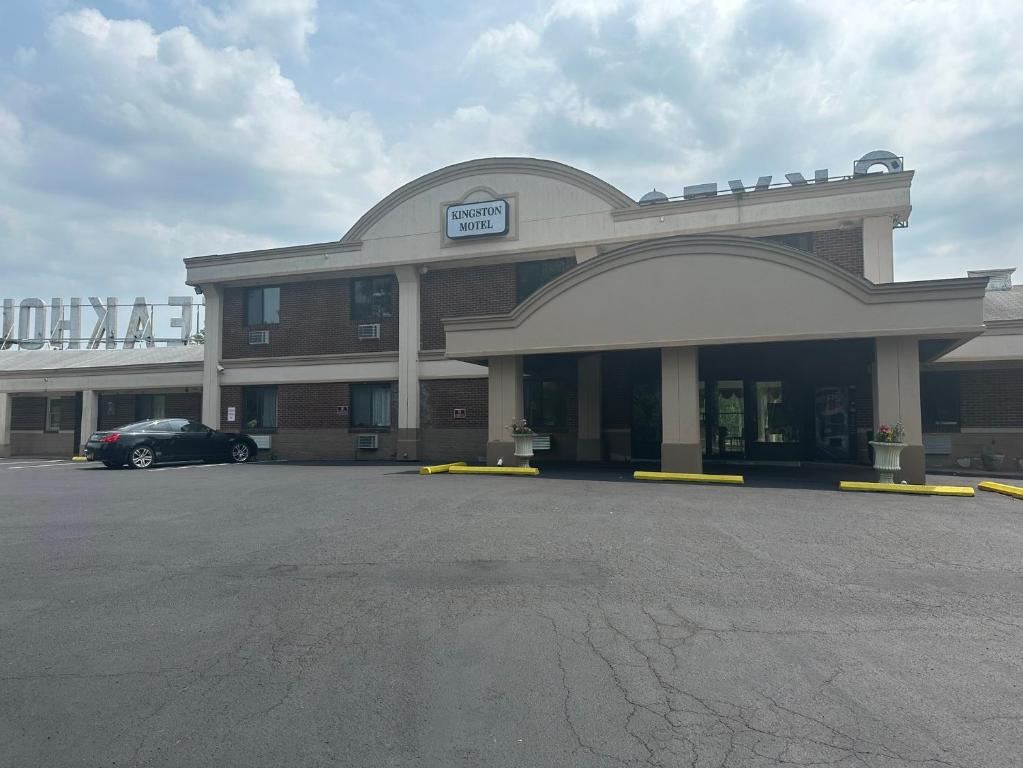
524,471
686,477
436,469
1009,490
925,490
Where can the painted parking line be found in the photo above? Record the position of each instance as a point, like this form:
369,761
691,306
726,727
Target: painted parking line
49,465
190,466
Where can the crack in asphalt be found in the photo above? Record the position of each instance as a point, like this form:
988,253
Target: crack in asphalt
669,720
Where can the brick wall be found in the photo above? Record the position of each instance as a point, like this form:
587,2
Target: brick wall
842,247
992,399
442,437
309,425
459,292
315,319
438,399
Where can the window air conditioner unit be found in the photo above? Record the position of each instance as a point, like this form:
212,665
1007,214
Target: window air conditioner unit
366,442
259,337
369,331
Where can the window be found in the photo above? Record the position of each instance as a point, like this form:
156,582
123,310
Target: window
731,407
150,407
775,422
531,276
53,408
262,306
371,405
259,407
371,298
801,241
166,425
194,426
939,401
546,404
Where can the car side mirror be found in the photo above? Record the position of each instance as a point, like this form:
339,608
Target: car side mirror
209,431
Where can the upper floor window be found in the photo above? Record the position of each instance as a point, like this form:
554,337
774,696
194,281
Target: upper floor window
801,241
371,298
262,306
531,276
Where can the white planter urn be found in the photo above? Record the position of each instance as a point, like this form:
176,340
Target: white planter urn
523,448
886,459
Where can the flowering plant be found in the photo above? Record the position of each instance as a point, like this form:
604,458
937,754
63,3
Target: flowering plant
890,433
519,427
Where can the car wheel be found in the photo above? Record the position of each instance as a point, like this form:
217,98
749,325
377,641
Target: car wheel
111,465
142,457
240,452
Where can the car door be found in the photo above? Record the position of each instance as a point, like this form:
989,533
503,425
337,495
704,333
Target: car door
162,434
192,440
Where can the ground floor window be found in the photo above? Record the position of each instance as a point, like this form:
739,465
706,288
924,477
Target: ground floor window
259,407
939,401
371,405
730,435
776,421
546,404
53,411
150,407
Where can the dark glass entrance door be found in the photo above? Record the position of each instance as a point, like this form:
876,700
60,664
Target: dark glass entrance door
727,425
832,423
645,378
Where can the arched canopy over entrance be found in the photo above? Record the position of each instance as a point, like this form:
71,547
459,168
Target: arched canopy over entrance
700,290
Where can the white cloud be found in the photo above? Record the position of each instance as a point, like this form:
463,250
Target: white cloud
281,26
180,141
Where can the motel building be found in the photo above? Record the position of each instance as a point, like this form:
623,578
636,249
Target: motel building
759,324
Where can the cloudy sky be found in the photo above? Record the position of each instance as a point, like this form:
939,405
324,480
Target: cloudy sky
134,133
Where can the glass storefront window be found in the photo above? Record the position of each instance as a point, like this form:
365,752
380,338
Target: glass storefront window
703,418
730,437
775,424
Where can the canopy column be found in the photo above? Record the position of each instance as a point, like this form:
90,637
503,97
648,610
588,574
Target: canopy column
589,447
504,398
680,410
897,399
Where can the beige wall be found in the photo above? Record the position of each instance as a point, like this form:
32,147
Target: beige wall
711,290
556,209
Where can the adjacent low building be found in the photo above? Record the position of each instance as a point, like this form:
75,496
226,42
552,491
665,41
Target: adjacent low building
761,324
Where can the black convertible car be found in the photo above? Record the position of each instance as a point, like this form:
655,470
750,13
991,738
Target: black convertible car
144,443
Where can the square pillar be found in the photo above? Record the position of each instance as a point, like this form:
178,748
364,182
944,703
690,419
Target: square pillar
408,363
6,404
588,445
680,410
90,417
897,398
878,251
214,338
504,403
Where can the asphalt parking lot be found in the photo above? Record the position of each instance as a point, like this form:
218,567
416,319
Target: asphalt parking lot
289,615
